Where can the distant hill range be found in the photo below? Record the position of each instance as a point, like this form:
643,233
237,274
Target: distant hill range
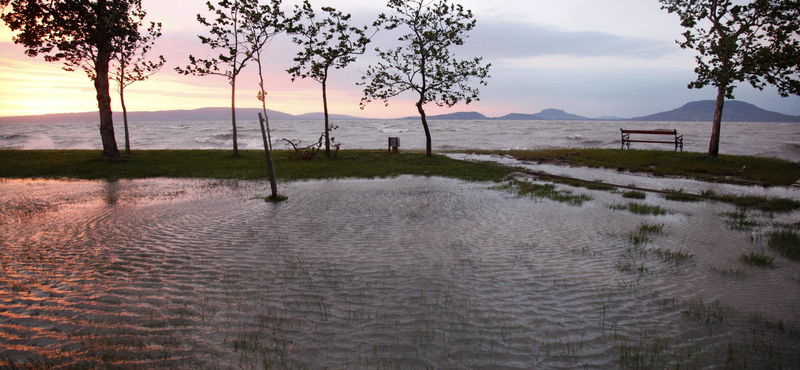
202,114
733,111
698,111
545,115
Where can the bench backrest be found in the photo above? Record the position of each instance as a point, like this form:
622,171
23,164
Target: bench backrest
650,132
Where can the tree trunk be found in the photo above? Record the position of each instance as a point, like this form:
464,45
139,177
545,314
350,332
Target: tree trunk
325,104
104,105
425,126
713,147
125,119
273,184
233,116
101,86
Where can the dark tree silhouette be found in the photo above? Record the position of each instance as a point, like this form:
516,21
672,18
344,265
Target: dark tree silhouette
425,64
132,64
81,34
757,43
228,32
328,43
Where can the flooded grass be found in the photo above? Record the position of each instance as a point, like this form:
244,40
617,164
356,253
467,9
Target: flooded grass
680,196
642,234
705,313
758,259
739,221
760,203
545,191
675,257
634,195
730,272
640,209
591,185
786,242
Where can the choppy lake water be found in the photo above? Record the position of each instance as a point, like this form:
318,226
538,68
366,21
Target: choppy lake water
404,273
781,140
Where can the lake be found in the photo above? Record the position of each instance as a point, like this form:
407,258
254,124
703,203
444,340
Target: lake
780,140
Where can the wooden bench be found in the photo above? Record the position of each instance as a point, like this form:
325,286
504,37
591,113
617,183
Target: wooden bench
626,138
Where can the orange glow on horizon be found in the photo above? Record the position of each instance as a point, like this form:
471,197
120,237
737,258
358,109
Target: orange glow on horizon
31,86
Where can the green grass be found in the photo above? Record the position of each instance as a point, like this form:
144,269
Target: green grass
545,191
249,165
760,203
787,242
634,195
758,259
725,168
640,209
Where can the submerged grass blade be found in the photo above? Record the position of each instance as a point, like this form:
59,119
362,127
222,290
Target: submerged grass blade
545,191
758,259
738,221
634,195
787,242
640,209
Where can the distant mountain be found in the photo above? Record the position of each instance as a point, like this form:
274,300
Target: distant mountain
452,116
609,118
734,111
202,114
545,115
321,116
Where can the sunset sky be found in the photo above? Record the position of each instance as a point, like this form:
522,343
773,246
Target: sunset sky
588,57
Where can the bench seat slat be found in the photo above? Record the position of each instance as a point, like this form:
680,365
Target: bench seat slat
650,141
648,132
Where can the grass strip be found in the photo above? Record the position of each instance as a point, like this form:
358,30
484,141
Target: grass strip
725,168
640,209
249,165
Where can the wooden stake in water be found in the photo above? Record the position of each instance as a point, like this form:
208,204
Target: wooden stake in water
270,164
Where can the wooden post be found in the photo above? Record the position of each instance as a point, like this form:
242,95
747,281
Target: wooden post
270,164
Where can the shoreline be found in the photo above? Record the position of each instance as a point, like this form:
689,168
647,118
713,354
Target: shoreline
370,164
213,163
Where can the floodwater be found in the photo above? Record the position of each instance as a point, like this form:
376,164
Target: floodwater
403,273
635,179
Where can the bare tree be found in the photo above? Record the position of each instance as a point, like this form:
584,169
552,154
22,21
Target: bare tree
132,64
228,32
757,42
328,43
425,63
261,26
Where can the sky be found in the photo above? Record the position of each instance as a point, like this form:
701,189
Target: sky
587,57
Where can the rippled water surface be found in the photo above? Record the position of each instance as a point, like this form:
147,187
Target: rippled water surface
405,273
781,140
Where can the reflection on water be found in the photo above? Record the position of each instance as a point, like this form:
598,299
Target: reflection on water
406,273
